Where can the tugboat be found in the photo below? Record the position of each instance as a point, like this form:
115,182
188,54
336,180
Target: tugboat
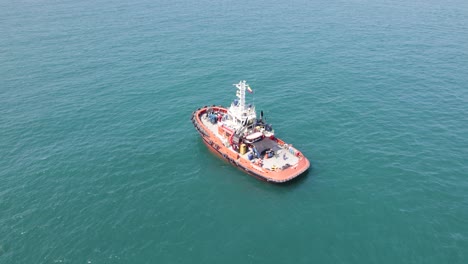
247,142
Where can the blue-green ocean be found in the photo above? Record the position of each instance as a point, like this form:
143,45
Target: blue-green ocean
99,162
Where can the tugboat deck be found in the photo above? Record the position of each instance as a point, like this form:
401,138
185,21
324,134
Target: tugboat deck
282,157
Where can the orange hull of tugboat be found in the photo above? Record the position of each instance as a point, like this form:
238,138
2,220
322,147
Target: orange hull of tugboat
215,145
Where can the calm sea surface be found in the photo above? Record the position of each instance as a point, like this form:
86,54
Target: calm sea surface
99,162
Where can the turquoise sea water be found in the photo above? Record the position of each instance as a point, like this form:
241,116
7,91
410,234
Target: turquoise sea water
99,162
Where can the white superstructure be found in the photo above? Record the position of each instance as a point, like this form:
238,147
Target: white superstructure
240,115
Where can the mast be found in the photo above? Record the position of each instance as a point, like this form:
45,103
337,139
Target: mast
241,86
